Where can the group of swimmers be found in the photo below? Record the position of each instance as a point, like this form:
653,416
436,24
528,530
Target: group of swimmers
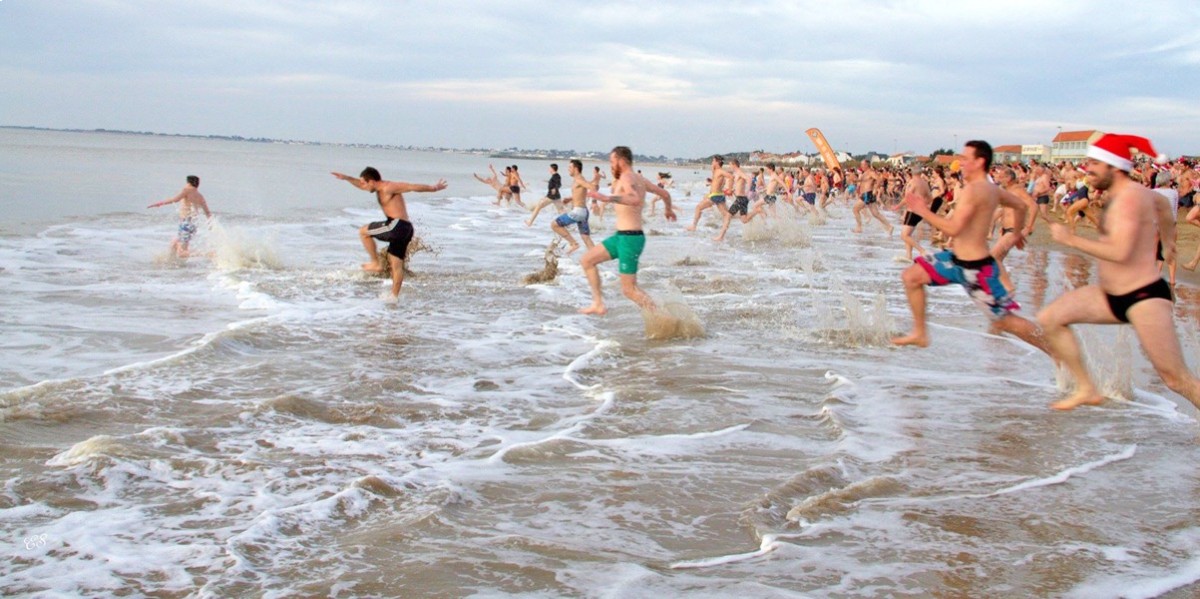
1135,222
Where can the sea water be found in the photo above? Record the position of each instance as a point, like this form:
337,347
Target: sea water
256,420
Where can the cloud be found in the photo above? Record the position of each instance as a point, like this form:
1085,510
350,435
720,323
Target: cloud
679,77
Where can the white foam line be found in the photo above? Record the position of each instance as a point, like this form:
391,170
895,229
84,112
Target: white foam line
609,399
1063,476
1142,588
581,361
770,542
705,434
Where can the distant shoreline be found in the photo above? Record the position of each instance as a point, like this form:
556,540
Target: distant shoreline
510,153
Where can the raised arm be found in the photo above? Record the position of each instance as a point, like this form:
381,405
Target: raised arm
661,192
355,181
169,200
402,187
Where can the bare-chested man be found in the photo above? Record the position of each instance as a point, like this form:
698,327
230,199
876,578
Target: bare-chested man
191,202
1131,288
578,214
970,263
495,182
629,197
808,192
1042,189
917,185
775,186
597,206
741,202
1006,178
716,196
868,188
396,230
515,184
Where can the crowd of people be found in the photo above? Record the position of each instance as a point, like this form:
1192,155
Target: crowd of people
977,212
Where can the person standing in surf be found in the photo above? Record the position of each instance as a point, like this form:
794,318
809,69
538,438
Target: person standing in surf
1131,288
396,230
191,202
629,196
970,263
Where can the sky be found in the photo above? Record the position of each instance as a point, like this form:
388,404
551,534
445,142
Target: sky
666,77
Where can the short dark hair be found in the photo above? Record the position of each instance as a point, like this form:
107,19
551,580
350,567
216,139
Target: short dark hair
983,150
515,167
370,174
554,167
623,153
720,159
193,180
771,165
578,164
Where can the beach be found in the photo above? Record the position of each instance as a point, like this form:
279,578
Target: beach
259,421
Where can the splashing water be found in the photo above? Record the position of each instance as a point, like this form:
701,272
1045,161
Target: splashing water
549,269
235,249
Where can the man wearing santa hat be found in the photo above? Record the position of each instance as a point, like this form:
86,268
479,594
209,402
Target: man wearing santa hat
1131,288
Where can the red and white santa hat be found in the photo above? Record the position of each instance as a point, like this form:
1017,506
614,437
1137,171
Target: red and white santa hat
1116,149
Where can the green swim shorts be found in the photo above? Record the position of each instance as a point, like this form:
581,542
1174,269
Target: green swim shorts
626,247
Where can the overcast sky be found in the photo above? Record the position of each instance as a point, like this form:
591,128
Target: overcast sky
665,77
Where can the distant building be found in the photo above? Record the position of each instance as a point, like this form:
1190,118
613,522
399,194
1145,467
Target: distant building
1072,145
1006,154
901,159
1038,152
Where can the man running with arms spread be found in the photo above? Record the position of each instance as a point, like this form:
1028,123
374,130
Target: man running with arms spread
396,230
629,197
1131,288
190,202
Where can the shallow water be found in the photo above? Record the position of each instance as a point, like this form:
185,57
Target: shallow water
262,422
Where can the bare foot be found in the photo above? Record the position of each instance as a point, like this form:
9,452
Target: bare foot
691,228
572,248
597,309
891,231
921,340
719,238
1191,265
1078,399
528,223
372,267
856,230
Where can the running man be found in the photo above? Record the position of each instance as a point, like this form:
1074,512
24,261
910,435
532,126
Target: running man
868,188
552,196
578,214
597,176
715,197
970,263
190,203
776,185
917,186
1131,288
515,184
396,230
741,202
629,197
